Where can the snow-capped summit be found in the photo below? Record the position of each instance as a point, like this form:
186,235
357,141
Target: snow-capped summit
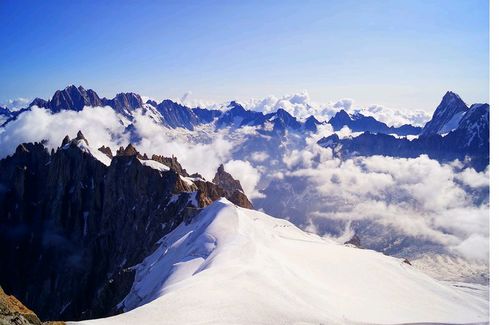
447,115
240,266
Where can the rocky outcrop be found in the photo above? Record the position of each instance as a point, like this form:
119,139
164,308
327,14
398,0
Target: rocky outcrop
12,311
107,151
232,186
176,115
226,180
171,162
128,151
72,228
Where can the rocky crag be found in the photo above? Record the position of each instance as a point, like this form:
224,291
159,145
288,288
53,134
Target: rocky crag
75,221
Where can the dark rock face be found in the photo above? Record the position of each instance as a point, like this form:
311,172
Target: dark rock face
71,227
5,115
206,115
361,123
470,139
450,105
176,115
151,102
73,98
283,120
311,124
4,111
124,103
107,151
39,102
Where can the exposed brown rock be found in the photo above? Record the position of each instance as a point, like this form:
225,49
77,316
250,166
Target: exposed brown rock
233,188
128,151
107,151
170,162
239,198
12,311
226,180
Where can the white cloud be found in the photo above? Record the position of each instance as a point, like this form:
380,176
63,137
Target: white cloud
248,175
395,117
301,106
259,156
418,197
198,157
100,125
16,104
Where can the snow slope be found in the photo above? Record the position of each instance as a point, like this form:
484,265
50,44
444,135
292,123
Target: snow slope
238,266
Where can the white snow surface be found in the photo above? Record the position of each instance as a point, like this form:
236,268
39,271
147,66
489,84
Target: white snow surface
155,165
92,151
237,266
452,124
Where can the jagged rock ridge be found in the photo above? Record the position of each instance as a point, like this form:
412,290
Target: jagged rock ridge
72,227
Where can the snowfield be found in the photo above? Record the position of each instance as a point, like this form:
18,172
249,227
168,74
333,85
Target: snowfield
237,266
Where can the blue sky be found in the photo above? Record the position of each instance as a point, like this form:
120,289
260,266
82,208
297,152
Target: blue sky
401,54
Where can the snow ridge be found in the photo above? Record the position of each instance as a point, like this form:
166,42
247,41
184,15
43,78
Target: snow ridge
234,265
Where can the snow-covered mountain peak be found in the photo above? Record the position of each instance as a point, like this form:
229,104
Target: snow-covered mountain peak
234,265
447,115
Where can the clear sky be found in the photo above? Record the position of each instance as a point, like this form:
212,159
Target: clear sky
401,54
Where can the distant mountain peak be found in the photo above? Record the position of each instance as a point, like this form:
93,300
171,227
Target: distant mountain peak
447,115
236,107
449,94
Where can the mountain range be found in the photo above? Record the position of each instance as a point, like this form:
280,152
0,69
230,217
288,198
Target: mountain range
455,131
87,231
450,115
176,115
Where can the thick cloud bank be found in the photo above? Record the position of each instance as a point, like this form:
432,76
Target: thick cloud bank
100,125
302,106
